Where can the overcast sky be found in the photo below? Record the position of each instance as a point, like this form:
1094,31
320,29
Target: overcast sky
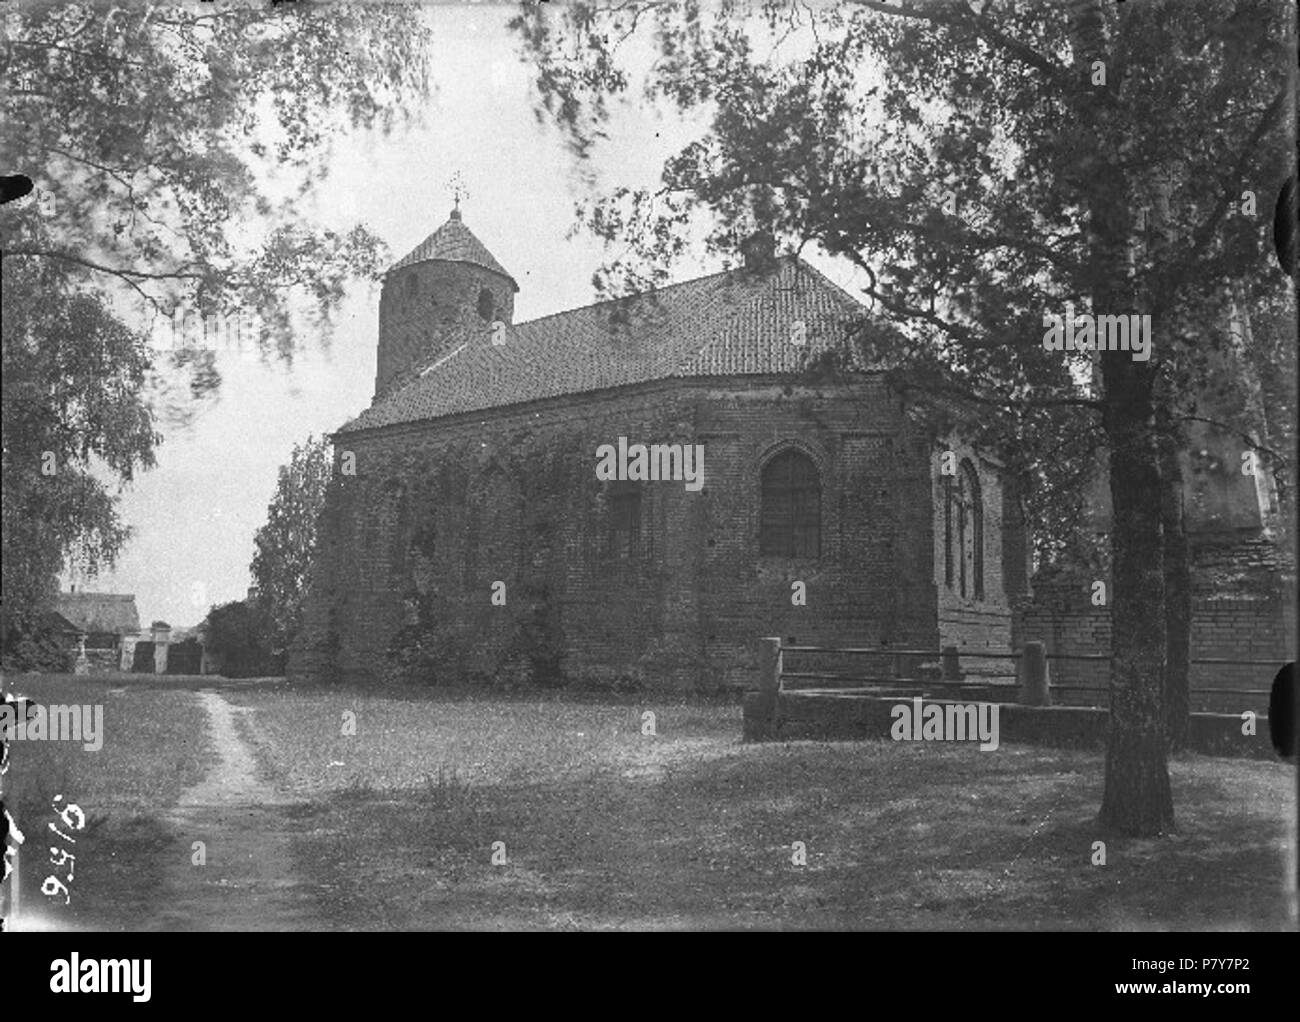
195,514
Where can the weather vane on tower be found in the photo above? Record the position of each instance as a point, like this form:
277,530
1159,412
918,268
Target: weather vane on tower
456,185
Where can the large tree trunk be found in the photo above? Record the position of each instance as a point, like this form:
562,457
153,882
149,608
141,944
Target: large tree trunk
1178,592
1137,799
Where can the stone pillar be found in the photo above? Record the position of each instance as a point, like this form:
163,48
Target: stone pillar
1035,686
161,639
83,663
128,652
760,708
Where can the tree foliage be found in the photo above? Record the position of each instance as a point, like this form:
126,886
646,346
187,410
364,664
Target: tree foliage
237,636
155,132
980,165
286,543
71,418
171,148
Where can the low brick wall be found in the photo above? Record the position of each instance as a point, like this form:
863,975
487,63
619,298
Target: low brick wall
102,661
831,716
1064,620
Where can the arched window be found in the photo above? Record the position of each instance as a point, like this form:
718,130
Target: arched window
487,306
790,517
412,285
963,532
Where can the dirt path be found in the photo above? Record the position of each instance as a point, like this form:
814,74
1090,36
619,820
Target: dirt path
247,882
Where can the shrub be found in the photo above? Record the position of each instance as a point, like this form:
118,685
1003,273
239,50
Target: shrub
36,648
237,636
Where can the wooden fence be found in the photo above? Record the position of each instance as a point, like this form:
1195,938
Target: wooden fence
938,673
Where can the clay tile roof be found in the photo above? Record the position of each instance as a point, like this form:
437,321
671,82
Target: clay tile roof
453,242
731,323
99,612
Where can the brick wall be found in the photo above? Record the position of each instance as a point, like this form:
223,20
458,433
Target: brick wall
428,308
971,622
1256,627
1062,617
512,496
103,661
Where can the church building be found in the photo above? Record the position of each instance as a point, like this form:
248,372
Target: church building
469,535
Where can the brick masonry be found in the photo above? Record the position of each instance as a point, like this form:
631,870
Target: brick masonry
1259,625
442,508
984,624
512,496
445,503
424,309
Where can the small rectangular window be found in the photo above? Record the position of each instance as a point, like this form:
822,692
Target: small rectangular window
625,525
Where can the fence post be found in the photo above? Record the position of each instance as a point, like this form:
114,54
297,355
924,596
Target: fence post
761,706
951,664
1035,685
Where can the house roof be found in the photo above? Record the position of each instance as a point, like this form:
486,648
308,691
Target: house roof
99,612
56,622
738,322
453,242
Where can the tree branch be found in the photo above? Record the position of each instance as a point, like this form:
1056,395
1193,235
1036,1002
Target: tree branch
1239,433
1228,195
1012,403
999,40
130,277
125,274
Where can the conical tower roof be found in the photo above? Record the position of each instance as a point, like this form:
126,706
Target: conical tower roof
453,242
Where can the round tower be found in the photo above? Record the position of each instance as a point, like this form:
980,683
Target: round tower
448,290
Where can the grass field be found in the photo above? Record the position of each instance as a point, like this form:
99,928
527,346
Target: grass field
605,827
155,745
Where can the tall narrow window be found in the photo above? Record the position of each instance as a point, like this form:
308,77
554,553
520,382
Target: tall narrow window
369,511
964,532
625,523
791,507
950,513
976,532
401,536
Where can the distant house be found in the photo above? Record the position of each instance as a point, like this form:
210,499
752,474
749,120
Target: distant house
106,622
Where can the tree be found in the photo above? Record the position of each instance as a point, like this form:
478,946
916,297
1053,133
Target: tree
152,130
236,635
286,543
71,415
980,165
150,133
